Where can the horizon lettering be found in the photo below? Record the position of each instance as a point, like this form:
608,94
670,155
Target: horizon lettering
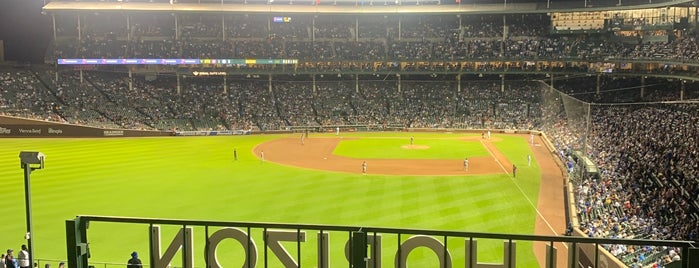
183,240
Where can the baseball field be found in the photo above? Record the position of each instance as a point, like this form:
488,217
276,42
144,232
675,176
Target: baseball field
314,180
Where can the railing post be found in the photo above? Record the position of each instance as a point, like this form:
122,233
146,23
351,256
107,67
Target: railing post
691,258
551,256
573,255
359,248
76,243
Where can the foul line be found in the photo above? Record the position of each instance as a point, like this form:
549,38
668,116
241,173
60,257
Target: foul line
521,191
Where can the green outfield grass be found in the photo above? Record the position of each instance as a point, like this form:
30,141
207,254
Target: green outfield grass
196,178
441,147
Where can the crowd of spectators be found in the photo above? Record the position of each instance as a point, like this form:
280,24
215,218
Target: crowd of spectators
22,94
349,38
159,103
648,160
645,153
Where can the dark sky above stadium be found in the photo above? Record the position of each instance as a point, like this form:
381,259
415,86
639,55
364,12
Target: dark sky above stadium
24,30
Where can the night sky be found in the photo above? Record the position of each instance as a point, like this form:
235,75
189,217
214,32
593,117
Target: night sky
27,33
24,30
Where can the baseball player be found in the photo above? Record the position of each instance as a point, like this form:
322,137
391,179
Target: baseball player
364,168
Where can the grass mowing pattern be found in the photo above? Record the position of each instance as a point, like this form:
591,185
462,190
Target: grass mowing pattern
196,178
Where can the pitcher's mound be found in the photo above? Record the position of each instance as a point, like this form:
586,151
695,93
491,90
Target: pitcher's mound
415,147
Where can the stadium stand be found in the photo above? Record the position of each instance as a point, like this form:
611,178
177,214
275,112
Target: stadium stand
646,153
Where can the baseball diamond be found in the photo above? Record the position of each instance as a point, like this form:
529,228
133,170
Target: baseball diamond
308,155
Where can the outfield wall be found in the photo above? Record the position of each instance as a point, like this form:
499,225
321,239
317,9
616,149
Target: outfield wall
15,127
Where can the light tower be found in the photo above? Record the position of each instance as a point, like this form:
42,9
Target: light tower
30,161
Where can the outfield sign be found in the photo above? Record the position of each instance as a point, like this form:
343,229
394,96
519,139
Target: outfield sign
213,132
65,130
184,241
12,127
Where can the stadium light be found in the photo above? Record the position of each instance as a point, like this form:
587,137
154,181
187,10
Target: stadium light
30,161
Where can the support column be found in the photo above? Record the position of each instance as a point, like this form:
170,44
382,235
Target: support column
53,20
269,82
269,27
128,27
684,82
399,83
179,85
80,35
552,81
177,28
356,83
314,84
82,78
313,29
588,125
225,84
502,83
504,29
356,29
223,27
599,78
458,83
504,36
130,80
643,86
399,28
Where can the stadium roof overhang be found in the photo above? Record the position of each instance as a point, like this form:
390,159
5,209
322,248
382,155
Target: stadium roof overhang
378,9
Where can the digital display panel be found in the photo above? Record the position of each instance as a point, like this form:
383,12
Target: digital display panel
173,61
281,19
